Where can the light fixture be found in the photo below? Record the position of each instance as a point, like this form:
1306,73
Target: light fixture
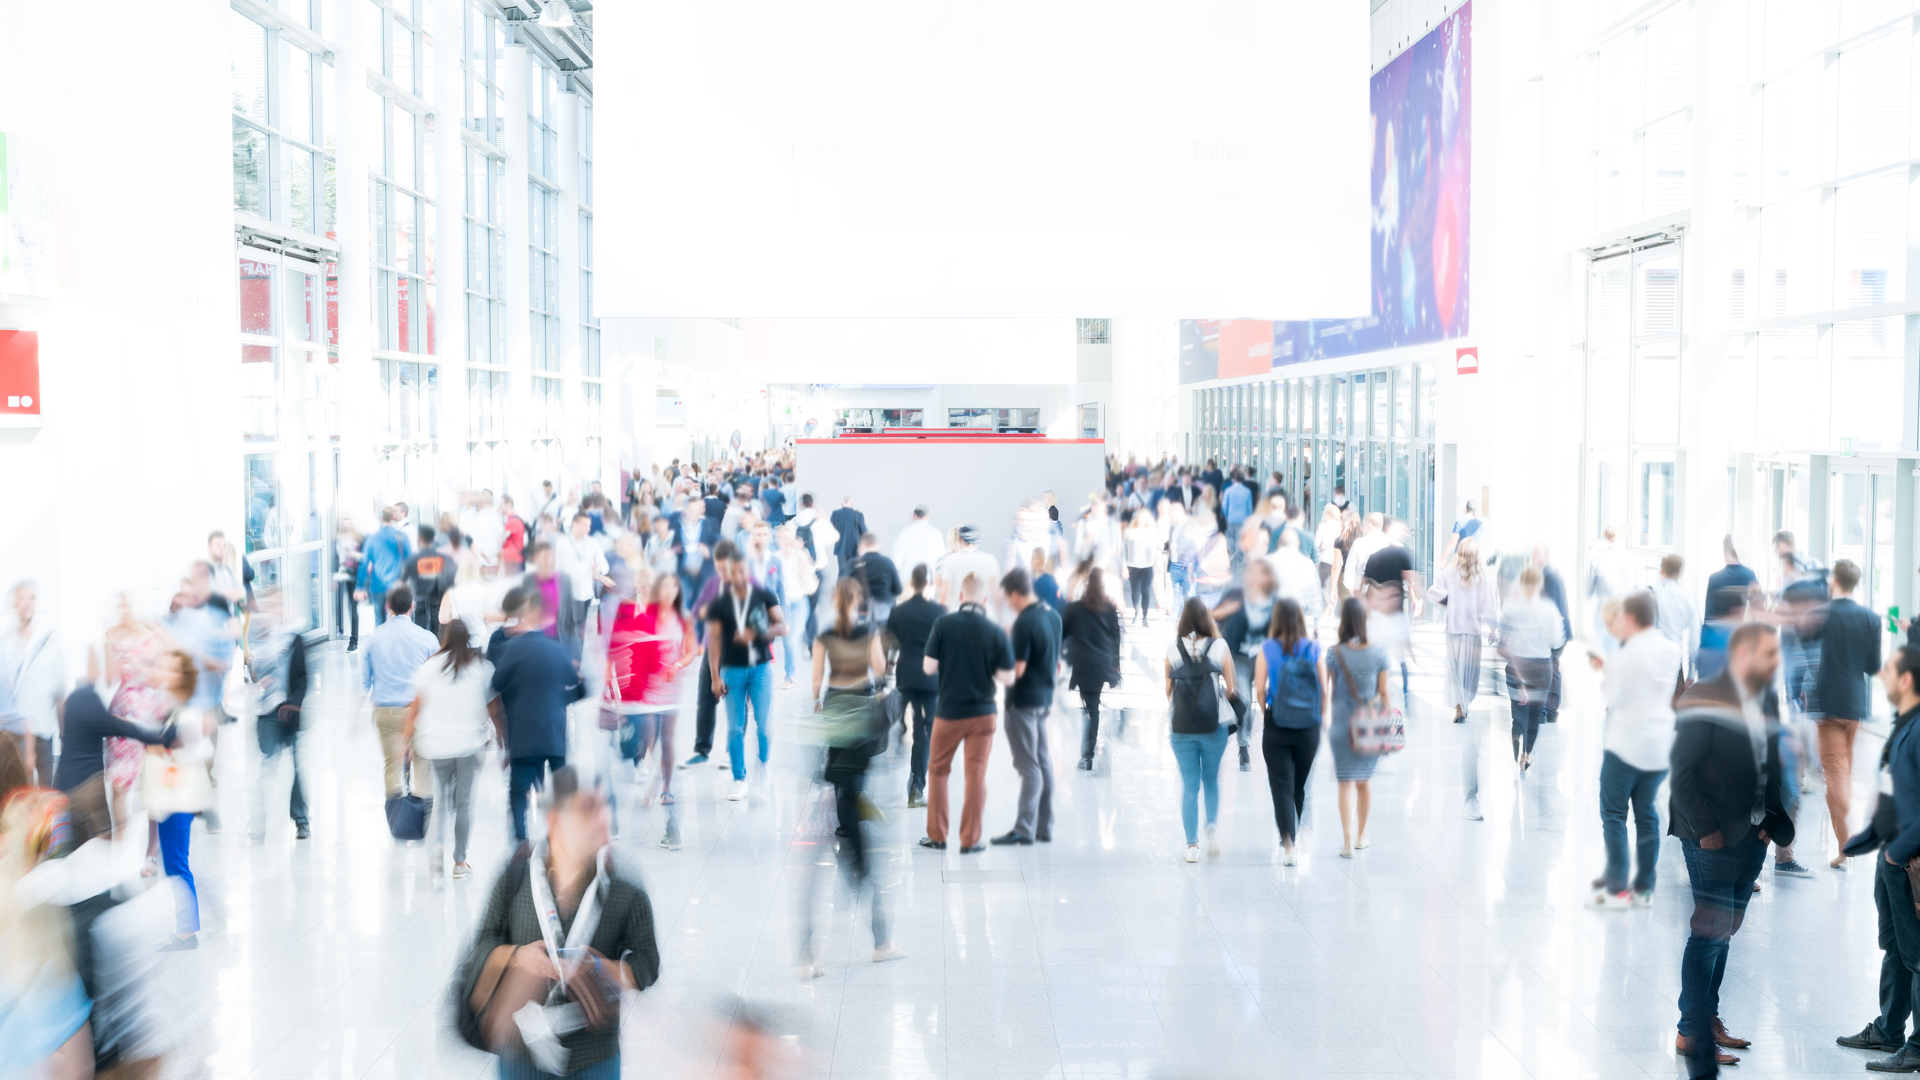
556,14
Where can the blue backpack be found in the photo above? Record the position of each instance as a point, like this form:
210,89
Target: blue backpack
1293,686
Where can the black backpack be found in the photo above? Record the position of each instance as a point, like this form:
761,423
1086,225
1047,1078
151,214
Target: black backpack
1195,704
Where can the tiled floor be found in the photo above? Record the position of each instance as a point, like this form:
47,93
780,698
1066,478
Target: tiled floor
1448,948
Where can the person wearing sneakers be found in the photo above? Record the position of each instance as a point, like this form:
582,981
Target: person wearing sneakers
1895,826
1637,683
972,658
1199,683
742,623
1727,805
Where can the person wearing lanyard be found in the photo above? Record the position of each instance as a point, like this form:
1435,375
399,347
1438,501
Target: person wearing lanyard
741,625
565,933
1896,826
1726,807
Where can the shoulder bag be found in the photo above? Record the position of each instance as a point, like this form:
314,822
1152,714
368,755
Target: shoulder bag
1373,728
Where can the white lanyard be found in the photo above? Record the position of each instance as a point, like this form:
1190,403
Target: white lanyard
740,606
585,921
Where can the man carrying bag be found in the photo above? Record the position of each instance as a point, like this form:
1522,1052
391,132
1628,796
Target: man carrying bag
562,938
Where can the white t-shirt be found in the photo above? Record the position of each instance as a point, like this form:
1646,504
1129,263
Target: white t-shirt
470,604
453,718
581,561
1216,651
1637,684
957,565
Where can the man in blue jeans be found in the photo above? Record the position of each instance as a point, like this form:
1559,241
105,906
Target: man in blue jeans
535,681
741,624
1637,683
1726,806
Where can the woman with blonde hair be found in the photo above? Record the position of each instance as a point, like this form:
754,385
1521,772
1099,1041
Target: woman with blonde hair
1472,601
1530,630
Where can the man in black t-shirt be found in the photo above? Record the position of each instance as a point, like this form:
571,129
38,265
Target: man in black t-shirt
911,624
741,624
972,658
880,576
1035,640
429,573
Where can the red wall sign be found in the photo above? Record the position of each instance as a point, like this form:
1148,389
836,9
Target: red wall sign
1466,361
19,373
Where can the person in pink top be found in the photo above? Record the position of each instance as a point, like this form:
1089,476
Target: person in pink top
647,650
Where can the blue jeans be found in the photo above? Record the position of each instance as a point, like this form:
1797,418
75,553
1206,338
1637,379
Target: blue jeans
1722,884
795,641
747,685
1199,759
524,774
1621,784
176,836
515,1069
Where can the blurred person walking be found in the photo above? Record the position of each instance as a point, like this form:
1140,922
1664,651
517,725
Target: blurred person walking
850,525
1894,828
1638,684
1140,542
1295,575
651,644
346,563
33,683
534,680
1530,633
911,623
1243,617
1327,542
742,624
1035,638
194,726
1608,578
564,935
1472,601
279,667
919,544
1090,635
446,726
1555,591
383,559
513,543
969,655
959,563
880,577
1290,683
208,632
1849,643
1199,680
395,651
1675,620
1726,804
1358,672
429,574
798,582
583,564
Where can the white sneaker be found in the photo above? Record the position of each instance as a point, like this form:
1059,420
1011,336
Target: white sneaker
1193,852
809,970
1620,901
1472,812
1288,858
1643,899
739,791
1213,841
886,953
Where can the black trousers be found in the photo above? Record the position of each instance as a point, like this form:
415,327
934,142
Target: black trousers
1900,942
1140,588
346,611
1289,755
847,771
705,705
1090,736
920,712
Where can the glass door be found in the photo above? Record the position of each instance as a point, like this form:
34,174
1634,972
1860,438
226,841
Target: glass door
1861,524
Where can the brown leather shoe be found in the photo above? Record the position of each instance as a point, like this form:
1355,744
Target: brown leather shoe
1721,1037
1719,1057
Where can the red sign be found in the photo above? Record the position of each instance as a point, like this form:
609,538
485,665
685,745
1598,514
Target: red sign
1466,361
19,373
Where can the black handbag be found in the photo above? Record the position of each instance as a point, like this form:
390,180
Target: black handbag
407,812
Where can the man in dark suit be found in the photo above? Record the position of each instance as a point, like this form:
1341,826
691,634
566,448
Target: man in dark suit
1727,805
881,578
1895,827
851,524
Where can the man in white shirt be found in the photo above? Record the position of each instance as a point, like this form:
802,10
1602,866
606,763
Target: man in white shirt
32,683
1372,538
920,543
1674,618
582,563
955,567
483,526
1298,580
1638,685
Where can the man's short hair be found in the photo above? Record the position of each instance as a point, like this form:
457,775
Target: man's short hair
1016,583
426,535
1640,607
1671,565
919,511
972,585
1472,507
724,551
1846,575
870,539
513,601
581,515
1748,634
386,515
399,600
1784,536
536,549
1906,661
735,553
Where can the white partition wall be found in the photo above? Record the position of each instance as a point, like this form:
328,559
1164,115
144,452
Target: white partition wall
978,482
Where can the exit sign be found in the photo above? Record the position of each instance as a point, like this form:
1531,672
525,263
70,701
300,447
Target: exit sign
1466,361
19,373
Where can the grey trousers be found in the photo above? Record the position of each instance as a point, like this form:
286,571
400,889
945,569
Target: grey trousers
453,791
1026,729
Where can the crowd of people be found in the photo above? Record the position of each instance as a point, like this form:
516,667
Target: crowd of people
1281,626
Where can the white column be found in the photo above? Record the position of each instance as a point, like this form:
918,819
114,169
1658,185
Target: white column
362,405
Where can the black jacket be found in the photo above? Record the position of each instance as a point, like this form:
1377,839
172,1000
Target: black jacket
851,524
1849,643
1091,640
87,727
1714,776
910,623
879,575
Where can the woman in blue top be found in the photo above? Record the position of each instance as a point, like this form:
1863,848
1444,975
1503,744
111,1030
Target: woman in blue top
1355,668
1290,681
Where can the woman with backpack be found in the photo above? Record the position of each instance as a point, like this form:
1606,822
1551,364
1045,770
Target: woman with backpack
1090,637
1199,676
1355,666
1290,679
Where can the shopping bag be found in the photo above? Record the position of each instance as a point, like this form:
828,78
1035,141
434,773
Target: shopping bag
170,787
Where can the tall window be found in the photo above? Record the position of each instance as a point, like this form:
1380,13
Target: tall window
1643,92
283,162
403,221
481,59
589,322
486,256
543,217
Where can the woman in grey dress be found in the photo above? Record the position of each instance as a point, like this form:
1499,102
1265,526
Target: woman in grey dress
1353,665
